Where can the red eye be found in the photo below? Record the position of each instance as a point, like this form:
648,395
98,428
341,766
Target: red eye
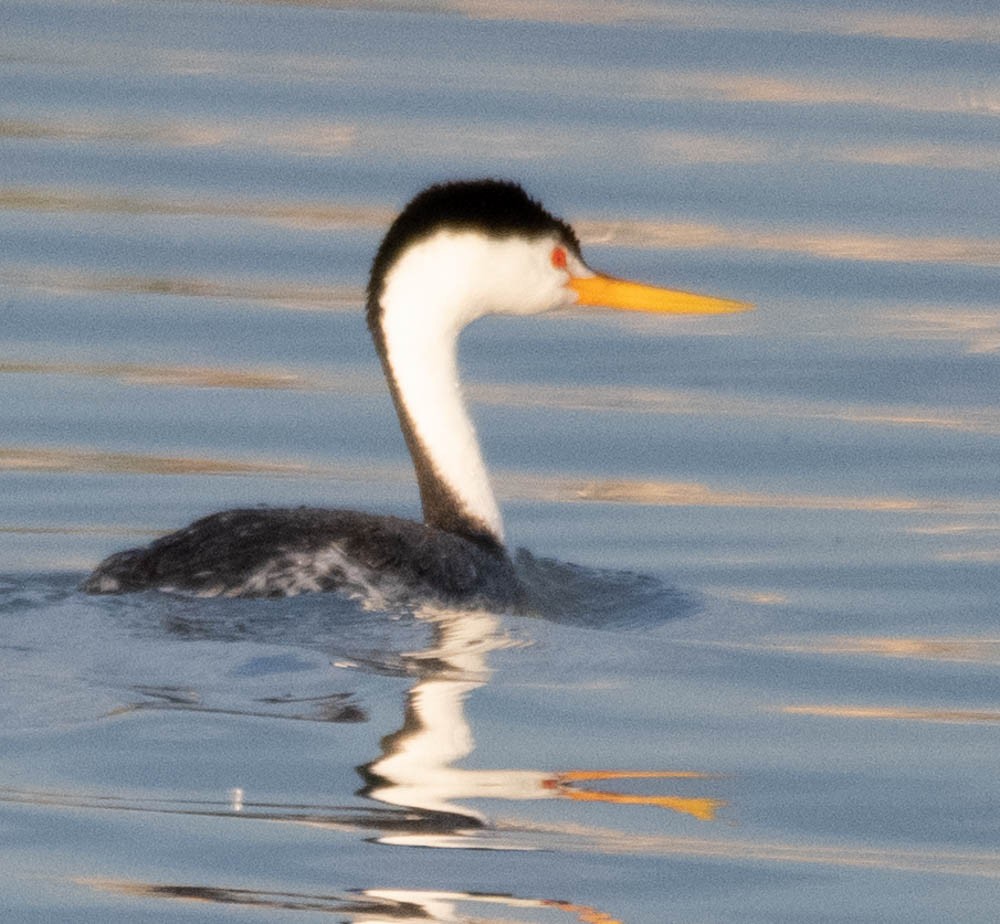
558,258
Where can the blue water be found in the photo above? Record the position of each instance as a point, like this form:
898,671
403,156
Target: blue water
761,679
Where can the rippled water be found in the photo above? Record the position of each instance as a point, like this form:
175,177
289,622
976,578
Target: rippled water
760,679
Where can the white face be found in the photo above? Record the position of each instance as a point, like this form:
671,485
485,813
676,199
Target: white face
461,276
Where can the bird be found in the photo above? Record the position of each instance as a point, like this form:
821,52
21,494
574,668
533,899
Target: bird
458,251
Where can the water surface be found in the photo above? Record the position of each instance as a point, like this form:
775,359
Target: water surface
761,681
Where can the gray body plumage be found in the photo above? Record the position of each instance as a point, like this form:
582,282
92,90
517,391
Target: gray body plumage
278,552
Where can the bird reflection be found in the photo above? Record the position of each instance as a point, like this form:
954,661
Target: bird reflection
417,768
367,906
417,773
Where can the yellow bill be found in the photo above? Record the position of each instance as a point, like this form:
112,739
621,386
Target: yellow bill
608,292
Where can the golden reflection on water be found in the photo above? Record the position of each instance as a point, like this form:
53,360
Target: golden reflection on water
324,139
684,235
926,154
735,87
918,26
988,556
897,713
979,650
818,242
674,147
290,296
169,376
674,494
595,398
981,864
510,485
87,460
66,530
318,138
939,26
756,597
978,330
302,214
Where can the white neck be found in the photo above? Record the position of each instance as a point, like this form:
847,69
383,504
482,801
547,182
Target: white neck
422,316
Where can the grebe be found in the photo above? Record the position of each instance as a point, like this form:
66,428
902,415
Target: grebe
457,252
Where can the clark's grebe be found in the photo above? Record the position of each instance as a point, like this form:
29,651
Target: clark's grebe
457,252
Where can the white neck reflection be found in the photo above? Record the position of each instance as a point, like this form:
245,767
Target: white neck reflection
417,770
418,767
